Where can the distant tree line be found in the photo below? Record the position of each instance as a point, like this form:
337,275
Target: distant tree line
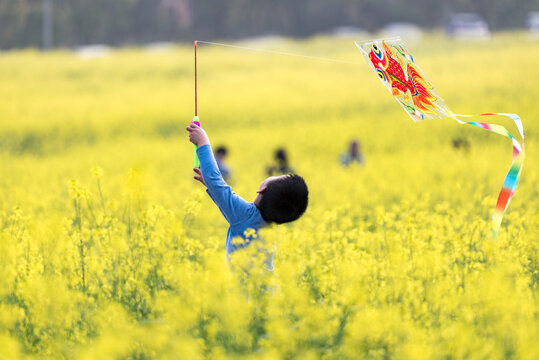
117,22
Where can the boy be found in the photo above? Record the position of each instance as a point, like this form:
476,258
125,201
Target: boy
279,199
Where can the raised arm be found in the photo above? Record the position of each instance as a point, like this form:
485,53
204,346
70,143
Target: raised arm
232,206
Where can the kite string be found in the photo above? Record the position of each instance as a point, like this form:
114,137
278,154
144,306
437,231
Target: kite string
279,52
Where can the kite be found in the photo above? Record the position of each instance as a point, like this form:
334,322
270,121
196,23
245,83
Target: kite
399,73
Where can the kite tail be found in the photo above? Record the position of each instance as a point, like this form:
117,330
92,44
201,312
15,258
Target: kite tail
421,95
511,179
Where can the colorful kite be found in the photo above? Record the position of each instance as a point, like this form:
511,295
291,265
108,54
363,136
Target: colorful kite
399,73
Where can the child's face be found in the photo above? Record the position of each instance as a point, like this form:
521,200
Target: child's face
264,185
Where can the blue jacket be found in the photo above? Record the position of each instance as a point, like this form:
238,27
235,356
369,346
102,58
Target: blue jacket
240,214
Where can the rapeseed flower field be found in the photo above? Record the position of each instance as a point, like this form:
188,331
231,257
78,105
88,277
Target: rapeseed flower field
110,250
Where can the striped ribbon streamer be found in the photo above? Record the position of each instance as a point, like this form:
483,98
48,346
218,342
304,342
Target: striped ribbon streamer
511,179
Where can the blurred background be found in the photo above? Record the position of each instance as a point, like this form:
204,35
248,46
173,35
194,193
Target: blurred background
65,23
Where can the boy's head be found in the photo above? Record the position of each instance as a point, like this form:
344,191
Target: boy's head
282,199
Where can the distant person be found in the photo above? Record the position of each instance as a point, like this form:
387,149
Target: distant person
279,199
280,165
220,154
353,154
460,143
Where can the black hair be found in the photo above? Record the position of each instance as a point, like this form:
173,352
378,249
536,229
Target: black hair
280,154
284,200
221,150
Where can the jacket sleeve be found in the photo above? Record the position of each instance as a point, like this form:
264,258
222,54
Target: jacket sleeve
232,206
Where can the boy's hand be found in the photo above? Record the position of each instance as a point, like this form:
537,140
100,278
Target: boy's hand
197,135
198,176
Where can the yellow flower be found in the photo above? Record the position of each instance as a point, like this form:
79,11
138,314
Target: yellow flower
97,172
